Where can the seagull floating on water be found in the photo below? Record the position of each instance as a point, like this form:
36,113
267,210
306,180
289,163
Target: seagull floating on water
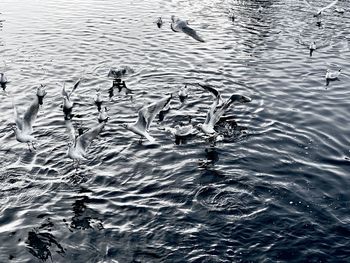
145,117
24,126
77,147
41,93
67,103
214,114
319,11
178,25
339,10
332,75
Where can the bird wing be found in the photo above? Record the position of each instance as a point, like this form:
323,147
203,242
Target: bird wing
210,114
148,113
192,33
213,91
30,115
328,6
19,122
64,92
70,129
84,140
75,87
220,111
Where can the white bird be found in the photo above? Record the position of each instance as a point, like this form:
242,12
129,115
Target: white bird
319,11
332,75
103,115
98,100
41,93
145,117
77,146
24,126
214,114
312,47
183,93
67,103
178,25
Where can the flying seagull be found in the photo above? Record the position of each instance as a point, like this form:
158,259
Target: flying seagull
24,126
215,112
178,25
78,145
318,12
67,103
145,117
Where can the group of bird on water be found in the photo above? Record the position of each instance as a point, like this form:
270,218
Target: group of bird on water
79,140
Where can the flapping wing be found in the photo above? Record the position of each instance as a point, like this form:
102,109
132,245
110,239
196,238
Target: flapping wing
64,92
328,6
30,115
84,140
210,114
149,112
75,87
192,33
18,120
213,91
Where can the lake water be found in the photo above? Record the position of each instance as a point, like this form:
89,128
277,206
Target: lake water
276,189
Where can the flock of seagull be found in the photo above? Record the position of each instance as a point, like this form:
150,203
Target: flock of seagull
79,140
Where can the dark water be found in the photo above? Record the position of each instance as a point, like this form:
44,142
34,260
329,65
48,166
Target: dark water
275,190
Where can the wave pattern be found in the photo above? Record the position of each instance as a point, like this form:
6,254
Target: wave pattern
274,190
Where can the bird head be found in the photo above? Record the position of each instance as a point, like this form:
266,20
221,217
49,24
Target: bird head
240,98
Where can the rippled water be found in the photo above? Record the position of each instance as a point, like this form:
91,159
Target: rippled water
275,190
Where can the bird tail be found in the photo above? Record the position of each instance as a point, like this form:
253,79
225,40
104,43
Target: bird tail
150,138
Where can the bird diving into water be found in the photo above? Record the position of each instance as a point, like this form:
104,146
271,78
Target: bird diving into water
178,25
145,117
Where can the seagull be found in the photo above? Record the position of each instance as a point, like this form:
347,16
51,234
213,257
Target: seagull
178,25
41,93
312,47
214,92
183,93
3,81
214,114
117,73
103,115
330,76
319,11
24,126
159,22
67,103
98,100
339,10
231,15
145,117
77,146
